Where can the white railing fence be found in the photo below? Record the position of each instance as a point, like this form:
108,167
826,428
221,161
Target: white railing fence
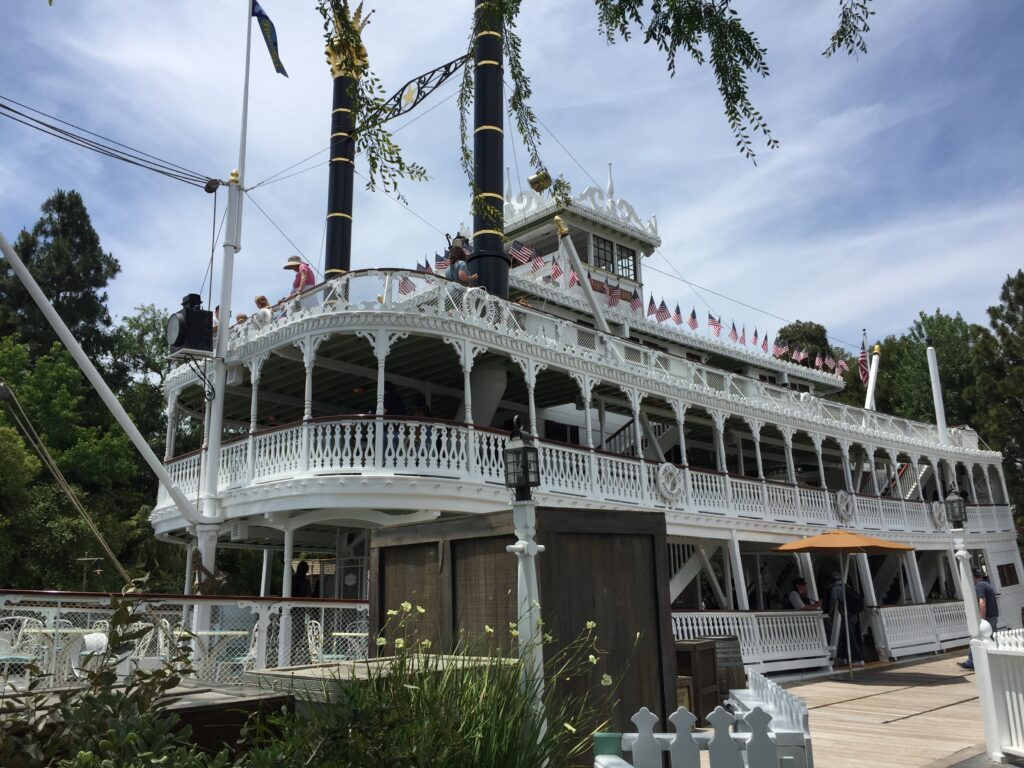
770,641
241,634
436,448
909,630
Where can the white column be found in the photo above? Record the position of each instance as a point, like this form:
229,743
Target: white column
206,542
255,368
937,471
755,433
915,464
719,440
635,398
1002,483
988,485
870,451
816,439
787,439
172,425
739,580
844,451
970,483
189,572
679,408
284,632
265,574
867,584
601,419
738,439
914,577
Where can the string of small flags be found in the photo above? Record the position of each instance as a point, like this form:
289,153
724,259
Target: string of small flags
522,254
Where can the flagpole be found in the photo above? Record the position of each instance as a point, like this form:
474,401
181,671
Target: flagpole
232,244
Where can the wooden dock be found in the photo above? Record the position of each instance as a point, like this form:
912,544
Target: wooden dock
920,715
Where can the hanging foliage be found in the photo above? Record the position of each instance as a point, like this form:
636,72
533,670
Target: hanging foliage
347,55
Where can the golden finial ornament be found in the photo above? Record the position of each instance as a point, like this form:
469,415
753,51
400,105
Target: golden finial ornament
877,349
563,230
348,56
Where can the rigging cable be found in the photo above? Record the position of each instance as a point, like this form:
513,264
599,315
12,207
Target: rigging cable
405,206
274,223
35,441
109,149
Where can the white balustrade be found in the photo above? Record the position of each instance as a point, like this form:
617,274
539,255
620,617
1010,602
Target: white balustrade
769,640
906,630
449,450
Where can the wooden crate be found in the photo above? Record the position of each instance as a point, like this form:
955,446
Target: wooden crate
698,660
607,567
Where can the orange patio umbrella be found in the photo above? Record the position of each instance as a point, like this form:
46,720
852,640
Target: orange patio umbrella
844,543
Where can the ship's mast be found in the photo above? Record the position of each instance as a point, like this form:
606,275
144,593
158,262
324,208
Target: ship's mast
488,261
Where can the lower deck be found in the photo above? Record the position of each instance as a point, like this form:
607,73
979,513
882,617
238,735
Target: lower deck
921,715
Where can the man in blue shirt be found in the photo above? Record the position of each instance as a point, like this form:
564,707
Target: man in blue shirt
988,608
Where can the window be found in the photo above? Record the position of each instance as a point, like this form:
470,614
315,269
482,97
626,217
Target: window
627,263
1008,575
604,254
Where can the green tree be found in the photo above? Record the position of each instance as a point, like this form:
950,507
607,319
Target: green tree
807,335
64,254
904,384
999,388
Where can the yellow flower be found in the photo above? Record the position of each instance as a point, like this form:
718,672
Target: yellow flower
381,642
569,728
511,625
592,659
488,629
399,643
406,606
606,680
514,632
548,638
392,612
591,625
425,643
420,609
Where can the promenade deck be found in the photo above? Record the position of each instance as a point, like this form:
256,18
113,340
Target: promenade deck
921,715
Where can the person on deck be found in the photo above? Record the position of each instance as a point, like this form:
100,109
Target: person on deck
393,405
304,277
262,316
799,600
988,608
835,610
458,269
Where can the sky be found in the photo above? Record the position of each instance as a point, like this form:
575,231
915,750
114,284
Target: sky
898,185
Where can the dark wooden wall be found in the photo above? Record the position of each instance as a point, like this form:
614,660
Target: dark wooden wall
606,567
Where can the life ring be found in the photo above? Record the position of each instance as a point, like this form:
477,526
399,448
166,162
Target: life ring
477,305
670,481
844,506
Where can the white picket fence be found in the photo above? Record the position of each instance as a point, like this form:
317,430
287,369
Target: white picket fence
999,664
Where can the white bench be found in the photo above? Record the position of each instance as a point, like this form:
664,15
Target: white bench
756,748
790,723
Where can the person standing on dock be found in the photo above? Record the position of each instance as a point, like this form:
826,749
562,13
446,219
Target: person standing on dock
988,609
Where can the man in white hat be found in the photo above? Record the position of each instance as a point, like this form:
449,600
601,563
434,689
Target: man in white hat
304,278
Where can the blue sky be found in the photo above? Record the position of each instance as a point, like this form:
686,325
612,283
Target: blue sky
899,184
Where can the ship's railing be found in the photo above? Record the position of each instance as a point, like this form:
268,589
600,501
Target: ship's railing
443,449
240,633
769,641
907,630
399,291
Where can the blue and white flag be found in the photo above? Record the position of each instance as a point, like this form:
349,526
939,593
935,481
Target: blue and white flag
269,36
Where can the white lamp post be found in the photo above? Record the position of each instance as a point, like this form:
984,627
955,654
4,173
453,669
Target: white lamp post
522,473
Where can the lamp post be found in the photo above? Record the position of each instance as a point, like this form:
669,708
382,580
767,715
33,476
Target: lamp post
522,474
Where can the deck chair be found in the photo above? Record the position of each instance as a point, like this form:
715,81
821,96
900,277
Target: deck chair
315,640
243,662
21,647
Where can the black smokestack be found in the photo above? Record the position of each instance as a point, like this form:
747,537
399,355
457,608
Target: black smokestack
341,180
488,260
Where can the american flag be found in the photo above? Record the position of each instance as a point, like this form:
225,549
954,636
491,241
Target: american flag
556,269
440,262
677,316
420,267
636,301
842,366
764,343
743,336
606,289
537,262
753,339
521,253
662,314
692,320
800,356
862,360
818,362
405,285
574,279
733,336
714,324
613,295
830,362
651,307
426,266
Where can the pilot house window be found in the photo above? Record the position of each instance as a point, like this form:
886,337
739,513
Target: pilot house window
604,254
627,263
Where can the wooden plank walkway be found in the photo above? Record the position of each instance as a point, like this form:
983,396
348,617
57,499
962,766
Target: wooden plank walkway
920,715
